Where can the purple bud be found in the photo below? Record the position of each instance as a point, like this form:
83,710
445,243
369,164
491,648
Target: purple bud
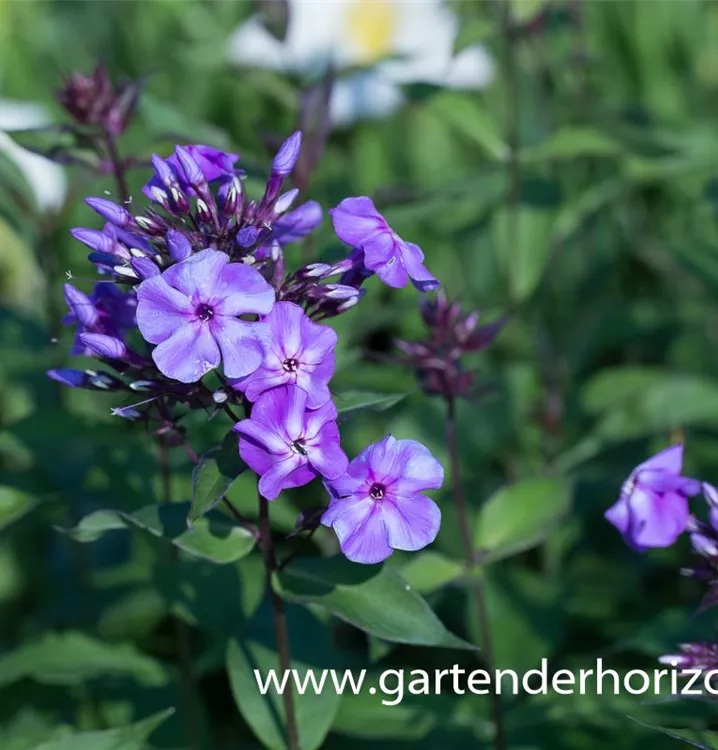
150,225
192,171
298,224
284,202
94,239
287,155
178,245
164,172
340,291
104,346
110,211
81,306
247,236
70,378
145,268
229,196
314,271
102,259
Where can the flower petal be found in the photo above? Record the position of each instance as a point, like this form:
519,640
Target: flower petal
415,469
356,220
188,354
325,453
393,273
161,310
412,258
411,522
242,289
361,532
272,482
285,322
198,276
263,435
242,349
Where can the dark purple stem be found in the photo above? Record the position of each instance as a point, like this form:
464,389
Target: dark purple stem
181,631
119,168
469,553
281,631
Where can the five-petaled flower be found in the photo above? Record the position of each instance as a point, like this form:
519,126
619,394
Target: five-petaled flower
652,510
299,352
395,261
377,506
191,312
288,445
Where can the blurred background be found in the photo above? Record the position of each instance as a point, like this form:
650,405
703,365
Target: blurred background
557,162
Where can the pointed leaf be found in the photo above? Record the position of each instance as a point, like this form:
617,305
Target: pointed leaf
350,403
374,598
73,658
214,537
213,476
521,516
132,737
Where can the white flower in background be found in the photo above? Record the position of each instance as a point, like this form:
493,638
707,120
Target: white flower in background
46,179
402,42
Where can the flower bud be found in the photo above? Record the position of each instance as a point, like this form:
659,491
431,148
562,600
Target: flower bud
144,268
104,346
178,245
287,156
81,307
111,211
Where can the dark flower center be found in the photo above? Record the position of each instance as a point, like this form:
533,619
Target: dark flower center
298,446
204,312
377,491
290,365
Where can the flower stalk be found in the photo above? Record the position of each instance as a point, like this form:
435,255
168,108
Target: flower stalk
279,616
478,585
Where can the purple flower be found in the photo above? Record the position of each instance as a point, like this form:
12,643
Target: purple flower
652,510
212,162
299,352
286,444
297,224
359,224
377,506
190,312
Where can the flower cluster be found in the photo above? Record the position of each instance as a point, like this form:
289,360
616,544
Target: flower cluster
653,511
439,359
200,276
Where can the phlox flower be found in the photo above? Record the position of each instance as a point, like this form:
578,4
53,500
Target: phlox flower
288,445
652,510
191,312
299,352
377,506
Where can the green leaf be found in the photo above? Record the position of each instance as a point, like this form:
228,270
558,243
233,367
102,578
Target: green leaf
571,143
214,537
350,403
521,516
374,598
523,242
617,385
132,737
14,504
311,648
73,658
213,476
429,571
693,737
469,118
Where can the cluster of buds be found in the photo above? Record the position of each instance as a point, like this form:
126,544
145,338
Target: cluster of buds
94,101
439,359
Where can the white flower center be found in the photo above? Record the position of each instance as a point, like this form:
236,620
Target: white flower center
370,27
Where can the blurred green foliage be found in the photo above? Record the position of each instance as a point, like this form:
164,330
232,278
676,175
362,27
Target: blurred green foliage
599,235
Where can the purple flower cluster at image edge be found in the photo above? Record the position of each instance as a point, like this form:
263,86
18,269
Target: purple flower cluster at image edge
191,285
652,510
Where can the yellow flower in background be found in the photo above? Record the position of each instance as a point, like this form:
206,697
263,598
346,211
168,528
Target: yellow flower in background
46,179
402,42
